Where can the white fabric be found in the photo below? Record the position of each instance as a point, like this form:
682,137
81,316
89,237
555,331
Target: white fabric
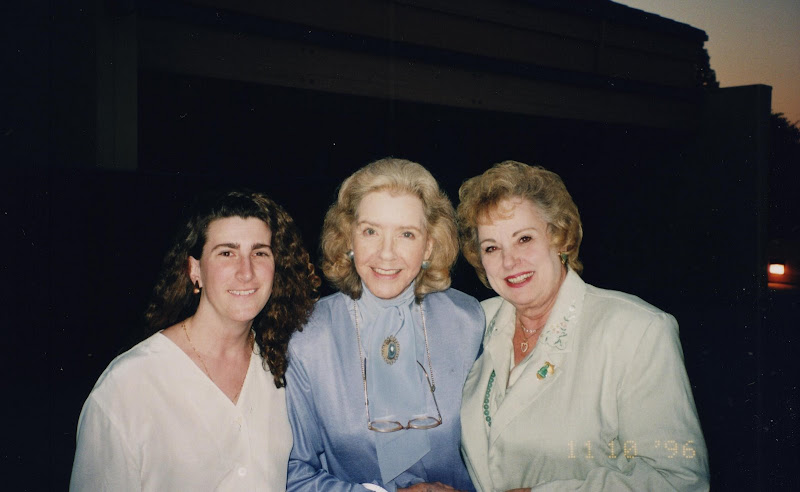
155,421
372,486
617,413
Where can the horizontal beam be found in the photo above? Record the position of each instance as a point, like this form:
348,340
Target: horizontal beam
208,52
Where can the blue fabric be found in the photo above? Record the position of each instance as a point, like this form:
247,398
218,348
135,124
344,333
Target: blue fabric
395,390
333,449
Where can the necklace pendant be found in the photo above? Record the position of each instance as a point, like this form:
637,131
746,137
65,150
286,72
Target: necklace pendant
390,350
524,347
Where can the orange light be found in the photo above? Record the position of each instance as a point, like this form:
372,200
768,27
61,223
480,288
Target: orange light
776,268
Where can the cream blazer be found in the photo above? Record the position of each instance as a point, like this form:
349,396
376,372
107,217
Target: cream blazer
616,413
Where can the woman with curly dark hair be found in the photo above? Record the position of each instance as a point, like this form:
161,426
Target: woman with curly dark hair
200,404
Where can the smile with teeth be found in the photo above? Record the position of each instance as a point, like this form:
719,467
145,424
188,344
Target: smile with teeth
242,292
381,271
519,278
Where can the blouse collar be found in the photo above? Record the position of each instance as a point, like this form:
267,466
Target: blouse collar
558,332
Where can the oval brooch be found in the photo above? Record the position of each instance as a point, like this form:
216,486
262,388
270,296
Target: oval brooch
390,350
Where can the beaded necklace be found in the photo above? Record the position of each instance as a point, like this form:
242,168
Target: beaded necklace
542,373
486,400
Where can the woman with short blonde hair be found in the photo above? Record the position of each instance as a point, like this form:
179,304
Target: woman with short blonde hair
534,183
375,377
576,386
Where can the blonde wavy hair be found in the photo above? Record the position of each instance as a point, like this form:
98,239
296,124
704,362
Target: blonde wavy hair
398,176
480,196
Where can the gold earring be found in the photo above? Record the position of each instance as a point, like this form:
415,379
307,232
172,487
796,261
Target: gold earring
196,287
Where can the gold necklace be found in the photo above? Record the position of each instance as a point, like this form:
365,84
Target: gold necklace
523,345
250,340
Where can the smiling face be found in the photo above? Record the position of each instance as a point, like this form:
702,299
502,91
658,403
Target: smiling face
521,265
389,242
235,270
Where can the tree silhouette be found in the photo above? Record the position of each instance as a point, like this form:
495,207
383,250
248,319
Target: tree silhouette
705,76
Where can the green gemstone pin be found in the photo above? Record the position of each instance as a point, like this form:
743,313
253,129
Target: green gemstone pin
545,370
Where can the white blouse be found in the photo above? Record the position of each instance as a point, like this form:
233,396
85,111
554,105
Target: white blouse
155,421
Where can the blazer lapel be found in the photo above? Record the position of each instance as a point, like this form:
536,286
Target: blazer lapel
500,333
554,346
527,389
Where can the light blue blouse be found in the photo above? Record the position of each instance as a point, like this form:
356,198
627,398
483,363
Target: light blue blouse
333,449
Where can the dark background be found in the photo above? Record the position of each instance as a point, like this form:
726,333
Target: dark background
83,243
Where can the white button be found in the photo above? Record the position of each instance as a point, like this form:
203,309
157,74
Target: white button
242,471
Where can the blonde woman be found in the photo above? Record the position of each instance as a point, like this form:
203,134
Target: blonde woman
578,388
375,377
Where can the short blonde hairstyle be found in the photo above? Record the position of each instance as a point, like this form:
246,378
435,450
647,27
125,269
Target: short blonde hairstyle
398,176
481,195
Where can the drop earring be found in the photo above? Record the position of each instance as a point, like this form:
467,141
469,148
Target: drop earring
196,289
564,257
350,255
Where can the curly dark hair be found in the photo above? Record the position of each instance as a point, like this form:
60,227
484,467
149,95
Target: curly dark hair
295,283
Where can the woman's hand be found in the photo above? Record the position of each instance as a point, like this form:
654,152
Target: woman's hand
429,487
